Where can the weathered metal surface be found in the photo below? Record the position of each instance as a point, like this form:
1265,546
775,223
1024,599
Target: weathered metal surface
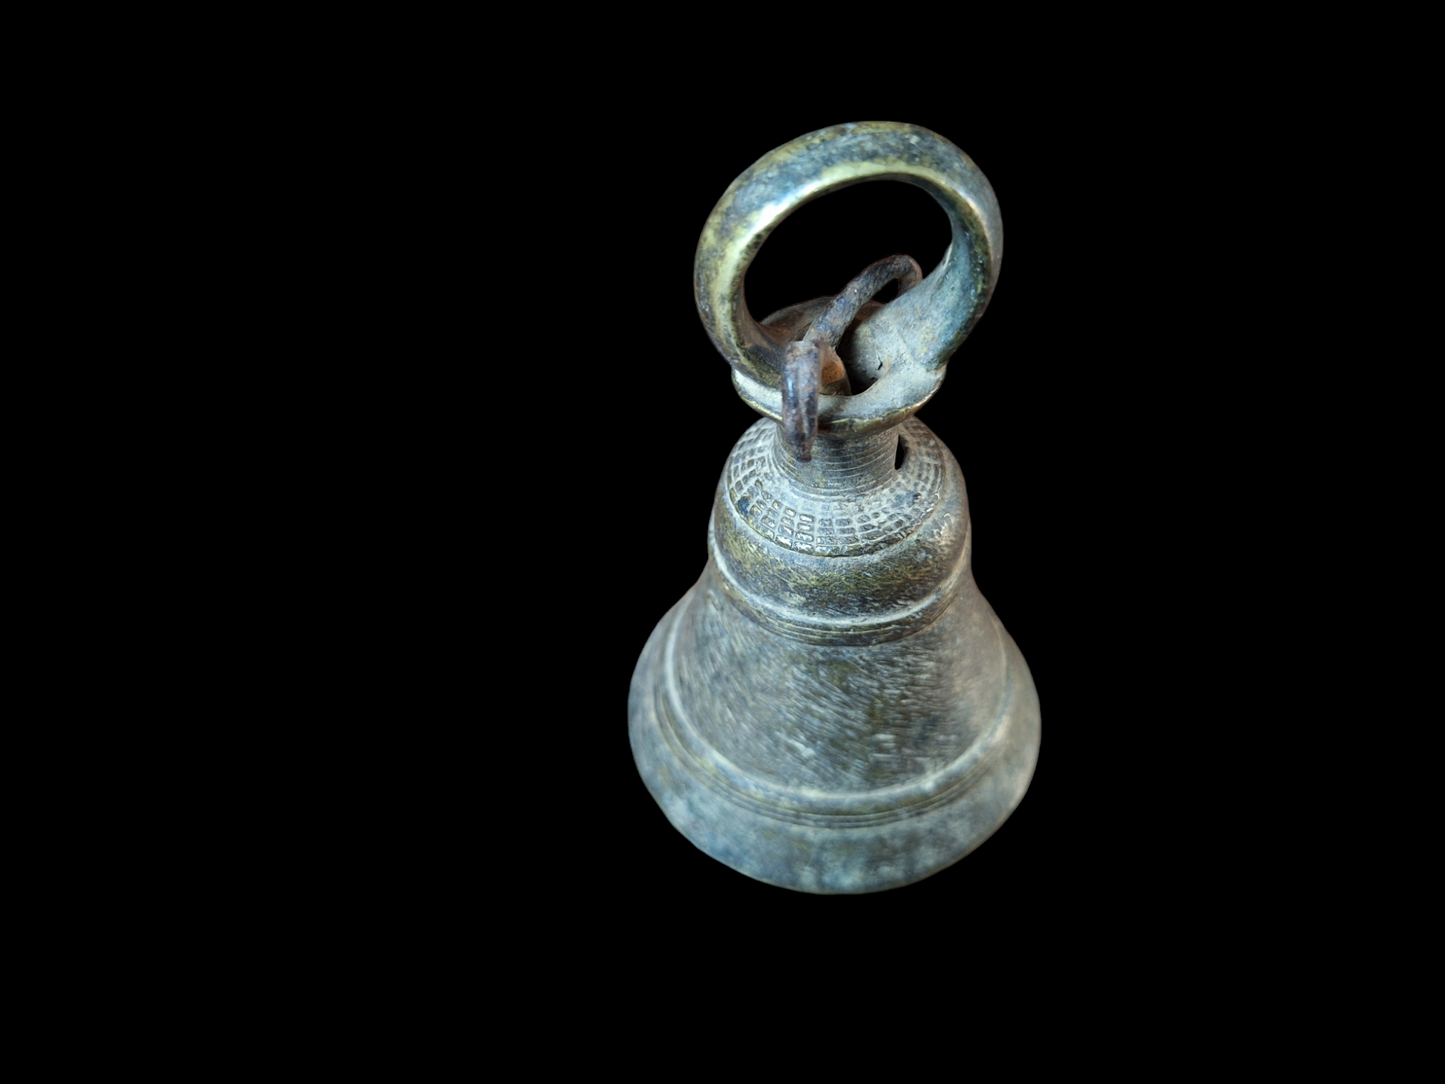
834,707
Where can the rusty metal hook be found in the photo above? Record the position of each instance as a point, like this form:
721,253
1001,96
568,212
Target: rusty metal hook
805,361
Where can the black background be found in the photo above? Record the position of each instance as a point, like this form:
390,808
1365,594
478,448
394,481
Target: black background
1056,408
502,477
547,504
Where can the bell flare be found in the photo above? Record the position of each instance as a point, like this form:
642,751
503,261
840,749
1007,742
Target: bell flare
872,786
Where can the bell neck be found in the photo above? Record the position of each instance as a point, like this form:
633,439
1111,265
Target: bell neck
854,463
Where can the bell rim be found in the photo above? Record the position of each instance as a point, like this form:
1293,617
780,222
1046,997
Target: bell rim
833,854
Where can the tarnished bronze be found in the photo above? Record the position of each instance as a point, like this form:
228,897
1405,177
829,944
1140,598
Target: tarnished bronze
834,707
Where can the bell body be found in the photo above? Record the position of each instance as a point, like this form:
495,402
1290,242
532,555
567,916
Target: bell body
834,707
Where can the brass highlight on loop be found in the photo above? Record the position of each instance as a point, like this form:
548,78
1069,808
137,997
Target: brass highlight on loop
911,338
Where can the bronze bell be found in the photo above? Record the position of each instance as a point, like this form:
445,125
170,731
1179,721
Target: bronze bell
834,707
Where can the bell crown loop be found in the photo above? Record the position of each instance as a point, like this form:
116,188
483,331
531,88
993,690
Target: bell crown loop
908,341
